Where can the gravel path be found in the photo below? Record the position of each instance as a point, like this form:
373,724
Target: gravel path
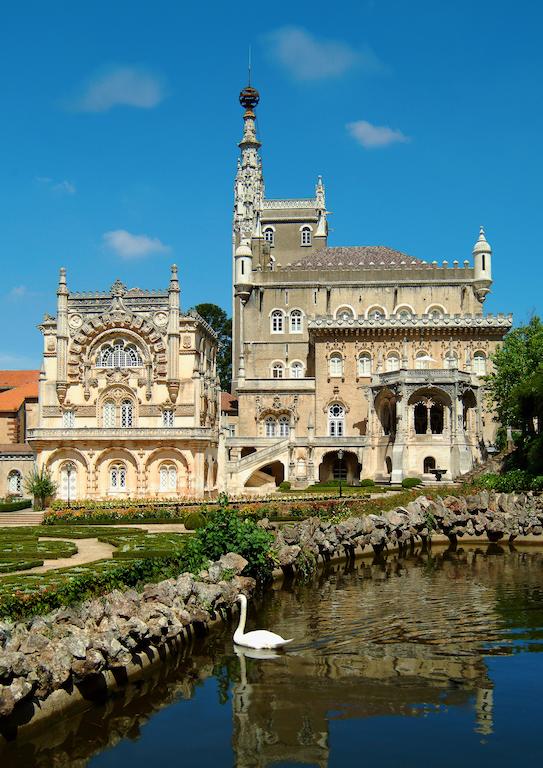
88,550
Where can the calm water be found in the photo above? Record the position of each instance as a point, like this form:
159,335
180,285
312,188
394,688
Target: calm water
428,660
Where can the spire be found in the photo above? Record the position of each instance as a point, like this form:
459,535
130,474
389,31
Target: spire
174,281
62,282
482,245
320,194
249,187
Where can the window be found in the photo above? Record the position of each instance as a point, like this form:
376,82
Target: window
269,235
167,418
305,236
404,314
168,477
127,414
364,364
277,321
422,361
336,420
335,365
277,370
68,419
270,426
284,426
296,321
479,363
344,313
393,362
435,312
376,313
15,483
117,477
296,370
108,414
119,355
231,430
451,360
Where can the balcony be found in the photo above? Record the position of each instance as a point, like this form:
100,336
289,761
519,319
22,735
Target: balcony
424,377
123,435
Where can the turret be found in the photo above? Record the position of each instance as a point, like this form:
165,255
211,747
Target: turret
482,266
243,271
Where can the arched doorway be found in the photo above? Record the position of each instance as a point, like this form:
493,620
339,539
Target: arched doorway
273,473
332,467
428,464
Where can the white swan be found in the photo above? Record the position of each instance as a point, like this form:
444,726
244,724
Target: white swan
259,638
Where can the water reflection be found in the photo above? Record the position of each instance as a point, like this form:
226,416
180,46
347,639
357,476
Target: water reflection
402,637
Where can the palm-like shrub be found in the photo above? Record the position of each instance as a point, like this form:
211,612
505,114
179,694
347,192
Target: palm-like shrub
41,486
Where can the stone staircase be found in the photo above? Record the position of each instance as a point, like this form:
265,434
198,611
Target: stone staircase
22,517
263,456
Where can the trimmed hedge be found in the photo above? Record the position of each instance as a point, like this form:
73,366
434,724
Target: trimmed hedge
411,482
15,506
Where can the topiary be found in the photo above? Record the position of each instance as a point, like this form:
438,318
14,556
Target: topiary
194,520
284,486
367,482
411,482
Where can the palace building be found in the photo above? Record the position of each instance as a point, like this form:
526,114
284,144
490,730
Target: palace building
128,395
352,362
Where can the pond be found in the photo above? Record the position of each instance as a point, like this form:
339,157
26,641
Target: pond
429,659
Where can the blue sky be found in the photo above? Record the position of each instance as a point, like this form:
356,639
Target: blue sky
120,122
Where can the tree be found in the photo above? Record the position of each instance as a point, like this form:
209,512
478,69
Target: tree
41,486
222,325
512,386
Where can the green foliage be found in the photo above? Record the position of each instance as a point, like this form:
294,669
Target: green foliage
41,486
514,481
367,482
284,486
227,532
194,520
15,506
411,482
515,386
222,325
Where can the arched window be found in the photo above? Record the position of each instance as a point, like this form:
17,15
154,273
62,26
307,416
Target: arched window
479,363
127,414
364,364
296,370
117,477
428,464
336,420
168,417
420,415
422,361
68,481
108,414
119,355
305,236
284,426
269,235
270,426
403,313
344,313
393,362
296,321
376,313
451,360
15,483
435,311
335,364
168,477
277,321
278,370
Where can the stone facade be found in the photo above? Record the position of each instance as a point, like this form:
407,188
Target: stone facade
364,349
129,396
18,414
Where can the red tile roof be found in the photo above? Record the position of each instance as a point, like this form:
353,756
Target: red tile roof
9,379
12,399
229,403
378,256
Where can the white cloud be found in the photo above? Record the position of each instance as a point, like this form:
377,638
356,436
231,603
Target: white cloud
129,246
17,362
122,86
19,292
373,136
63,187
306,57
